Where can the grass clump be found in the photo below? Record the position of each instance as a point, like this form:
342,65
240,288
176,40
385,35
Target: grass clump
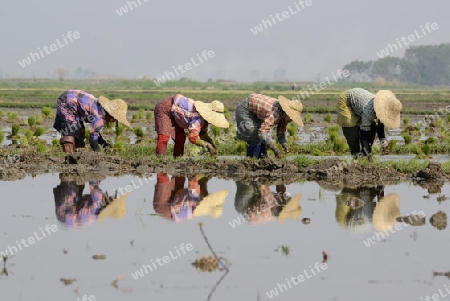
141,114
39,132
55,142
2,136
119,146
119,130
405,121
149,116
407,166
292,128
13,116
138,132
47,112
24,141
41,147
15,130
28,133
309,118
39,119
2,113
304,161
215,130
407,138
31,121
327,118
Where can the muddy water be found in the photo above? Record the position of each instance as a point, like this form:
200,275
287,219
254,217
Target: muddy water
130,235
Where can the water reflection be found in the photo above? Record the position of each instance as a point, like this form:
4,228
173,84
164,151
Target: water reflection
358,209
75,209
175,202
257,204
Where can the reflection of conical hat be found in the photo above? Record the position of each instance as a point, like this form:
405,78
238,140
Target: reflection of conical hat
349,219
386,212
117,209
293,109
291,210
211,205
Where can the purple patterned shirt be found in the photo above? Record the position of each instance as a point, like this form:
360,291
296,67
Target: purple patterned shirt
186,116
84,106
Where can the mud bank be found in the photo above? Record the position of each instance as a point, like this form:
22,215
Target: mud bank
331,172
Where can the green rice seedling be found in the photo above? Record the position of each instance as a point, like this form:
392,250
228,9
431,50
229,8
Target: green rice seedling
87,133
15,130
135,116
440,122
39,118
226,113
407,166
24,141
426,149
141,114
2,136
2,113
41,147
430,140
339,145
392,144
407,138
47,112
446,167
405,121
119,146
13,116
309,118
28,133
215,130
55,142
327,118
149,116
292,128
119,130
39,132
304,161
448,118
31,121
138,132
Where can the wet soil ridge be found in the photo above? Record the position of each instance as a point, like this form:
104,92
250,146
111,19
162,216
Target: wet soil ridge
331,171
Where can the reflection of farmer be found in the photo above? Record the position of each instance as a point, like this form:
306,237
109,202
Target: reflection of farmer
257,115
176,113
173,201
74,107
357,209
75,209
363,115
258,204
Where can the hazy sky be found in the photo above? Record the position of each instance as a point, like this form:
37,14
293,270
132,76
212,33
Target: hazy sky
159,34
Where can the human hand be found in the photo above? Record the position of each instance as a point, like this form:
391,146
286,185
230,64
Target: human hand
212,150
384,143
285,147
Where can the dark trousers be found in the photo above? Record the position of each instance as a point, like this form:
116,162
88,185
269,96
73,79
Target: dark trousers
257,150
353,137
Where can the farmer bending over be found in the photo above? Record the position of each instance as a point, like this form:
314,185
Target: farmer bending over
74,107
258,114
362,115
176,113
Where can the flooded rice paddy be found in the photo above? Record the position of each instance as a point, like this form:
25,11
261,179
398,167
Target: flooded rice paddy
65,239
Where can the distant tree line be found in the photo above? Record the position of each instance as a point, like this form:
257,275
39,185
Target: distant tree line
427,65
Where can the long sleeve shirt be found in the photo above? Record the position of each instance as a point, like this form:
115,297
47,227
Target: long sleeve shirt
80,105
269,111
186,116
361,101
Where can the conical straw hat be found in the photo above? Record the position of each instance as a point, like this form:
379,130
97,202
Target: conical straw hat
293,109
387,107
117,108
211,205
291,210
117,209
386,212
213,113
